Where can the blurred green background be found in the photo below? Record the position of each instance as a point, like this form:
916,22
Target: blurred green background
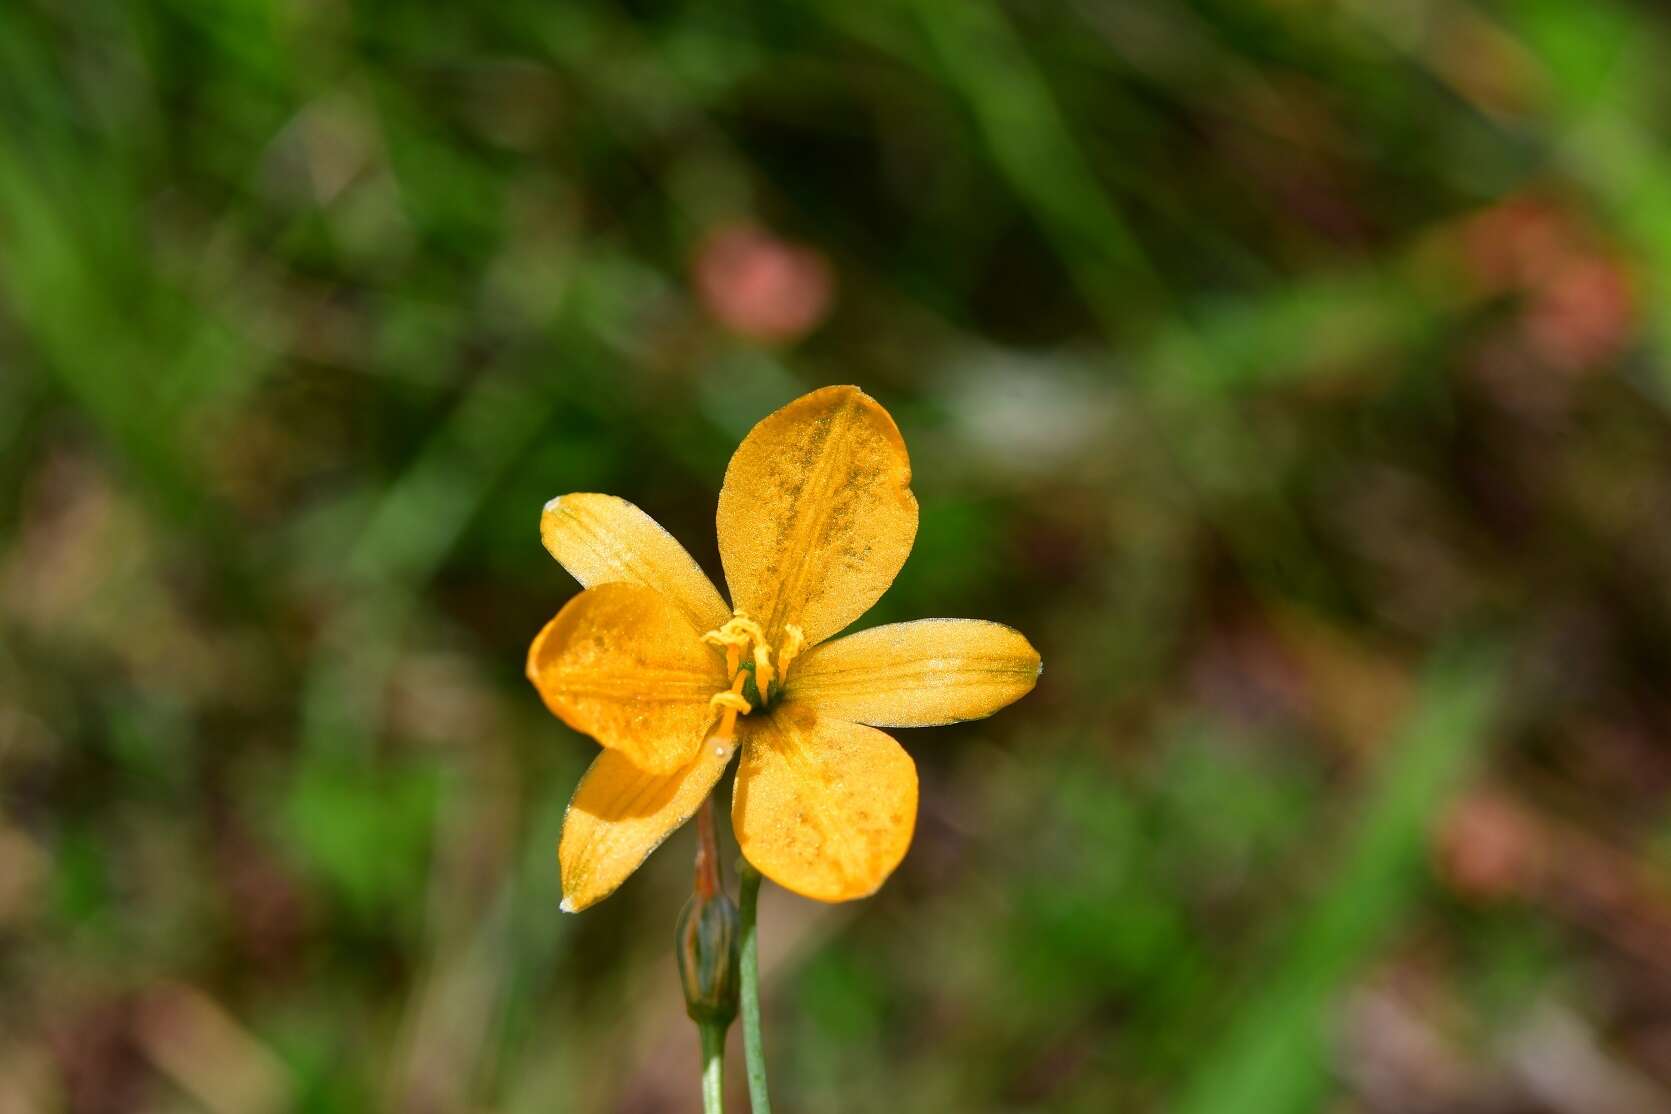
1293,372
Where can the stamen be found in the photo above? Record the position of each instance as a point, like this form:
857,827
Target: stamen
741,635
748,626
793,639
731,701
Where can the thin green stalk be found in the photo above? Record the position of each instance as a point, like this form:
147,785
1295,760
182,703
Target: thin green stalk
754,1053
713,1068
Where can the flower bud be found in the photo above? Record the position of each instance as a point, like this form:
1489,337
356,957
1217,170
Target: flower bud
708,965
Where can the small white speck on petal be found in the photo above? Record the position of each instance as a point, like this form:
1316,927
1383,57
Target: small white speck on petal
567,905
553,504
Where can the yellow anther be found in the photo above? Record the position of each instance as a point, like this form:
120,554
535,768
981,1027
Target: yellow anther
725,636
793,639
738,633
732,701
749,627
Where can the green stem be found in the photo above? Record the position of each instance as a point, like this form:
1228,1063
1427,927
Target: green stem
713,1068
753,1052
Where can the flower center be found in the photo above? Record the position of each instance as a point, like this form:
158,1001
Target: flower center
756,679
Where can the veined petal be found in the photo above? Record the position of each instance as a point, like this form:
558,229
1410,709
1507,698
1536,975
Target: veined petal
604,540
623,664
821,806
620,814
918,674
816,515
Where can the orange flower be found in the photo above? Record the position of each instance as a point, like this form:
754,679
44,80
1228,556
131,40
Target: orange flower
816,518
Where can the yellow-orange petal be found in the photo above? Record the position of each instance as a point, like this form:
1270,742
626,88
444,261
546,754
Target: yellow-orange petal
918,674
623,664
601,539
822,806
816,515
620,814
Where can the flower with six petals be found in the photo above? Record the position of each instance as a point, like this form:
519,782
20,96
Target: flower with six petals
816,518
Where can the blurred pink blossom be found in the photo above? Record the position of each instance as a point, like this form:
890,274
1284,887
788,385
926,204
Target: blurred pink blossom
761,286
1578,304
1488,847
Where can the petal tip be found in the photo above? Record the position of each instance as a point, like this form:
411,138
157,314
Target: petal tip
552,504
567,905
